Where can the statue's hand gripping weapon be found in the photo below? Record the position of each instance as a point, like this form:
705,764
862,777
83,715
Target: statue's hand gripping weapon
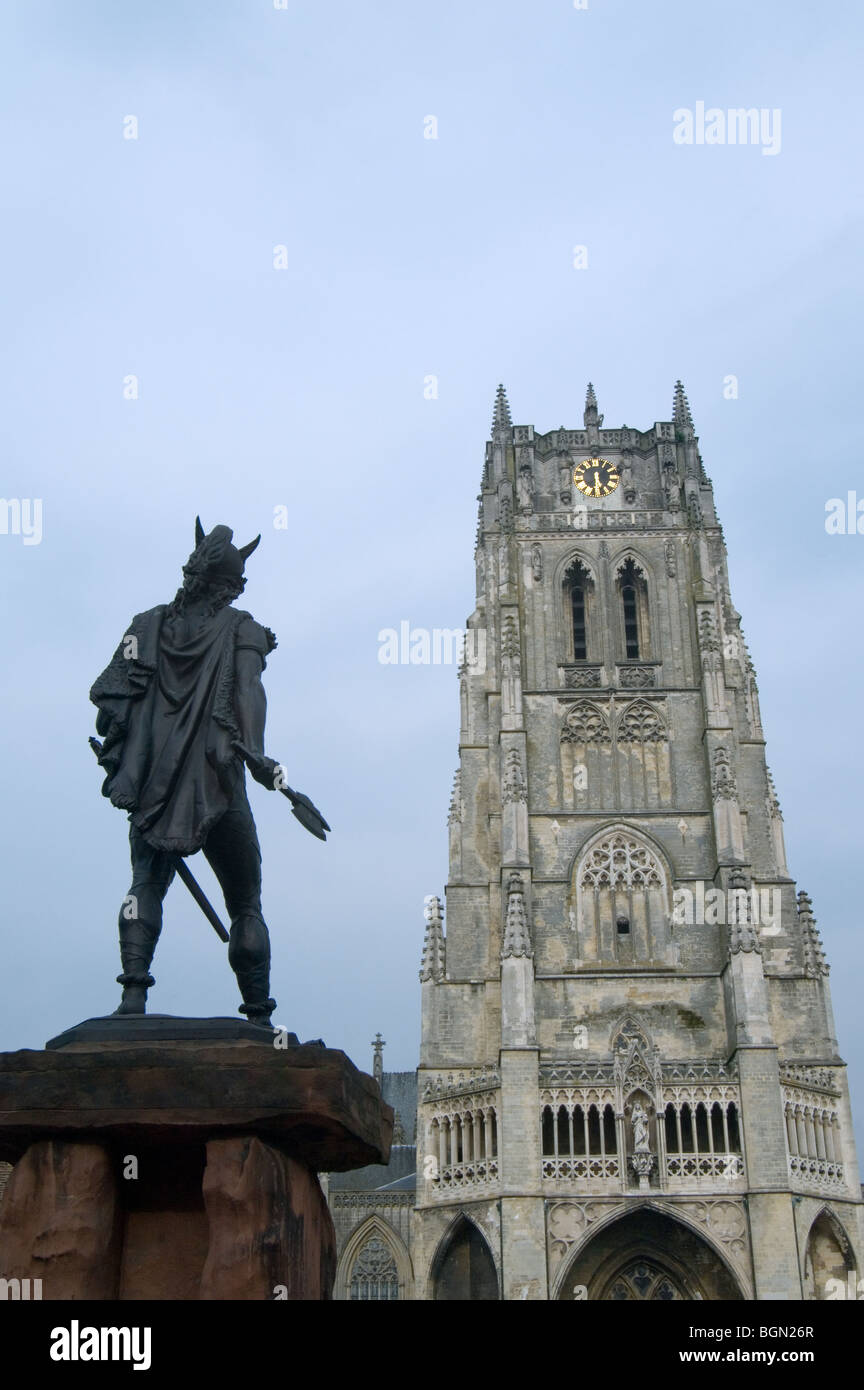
271,773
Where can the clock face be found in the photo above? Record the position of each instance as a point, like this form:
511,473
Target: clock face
596,477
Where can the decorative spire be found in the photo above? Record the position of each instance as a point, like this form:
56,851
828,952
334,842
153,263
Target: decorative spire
590,416
517,941
378,1046
743,935
433,963
501,417
681,410
815,963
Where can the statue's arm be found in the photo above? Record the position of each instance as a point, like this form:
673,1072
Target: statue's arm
250,700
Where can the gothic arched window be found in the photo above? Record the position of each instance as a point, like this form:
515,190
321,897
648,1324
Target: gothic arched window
633,591
622,899
374,1276
644,1280
578,588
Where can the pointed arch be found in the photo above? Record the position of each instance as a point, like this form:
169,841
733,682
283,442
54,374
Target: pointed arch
579,632
628,551
630,840
633,584
828,1258
629,1032
661,1236
463,1268
399,1272
641,722
576,556
584,723
622,890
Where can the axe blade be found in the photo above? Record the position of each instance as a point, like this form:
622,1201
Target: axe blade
308,815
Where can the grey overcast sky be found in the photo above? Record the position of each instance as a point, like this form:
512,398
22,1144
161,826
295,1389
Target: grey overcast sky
303,386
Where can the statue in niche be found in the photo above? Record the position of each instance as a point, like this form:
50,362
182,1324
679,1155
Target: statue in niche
639,1121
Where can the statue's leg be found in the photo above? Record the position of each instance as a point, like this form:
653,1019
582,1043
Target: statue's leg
140,920
234,855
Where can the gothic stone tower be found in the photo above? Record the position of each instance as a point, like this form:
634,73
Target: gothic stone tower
629,1083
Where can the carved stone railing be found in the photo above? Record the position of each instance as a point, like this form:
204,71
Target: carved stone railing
468,1174
581,1169
729,1167
817,1172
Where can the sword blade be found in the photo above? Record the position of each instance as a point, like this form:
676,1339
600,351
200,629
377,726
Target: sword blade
186,874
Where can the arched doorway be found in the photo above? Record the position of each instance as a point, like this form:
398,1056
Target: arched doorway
828,1260
647,1255
464,1269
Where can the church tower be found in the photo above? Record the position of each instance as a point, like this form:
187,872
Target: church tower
629,1084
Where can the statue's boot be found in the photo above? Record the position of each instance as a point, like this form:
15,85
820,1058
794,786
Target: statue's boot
249,958
138,937
134,1000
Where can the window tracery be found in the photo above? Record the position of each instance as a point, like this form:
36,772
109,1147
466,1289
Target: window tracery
374,1277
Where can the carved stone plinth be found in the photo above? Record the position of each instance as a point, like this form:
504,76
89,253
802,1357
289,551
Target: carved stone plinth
180,1169
643,1165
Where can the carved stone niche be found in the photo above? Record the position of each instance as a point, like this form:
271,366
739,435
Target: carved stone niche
641,1137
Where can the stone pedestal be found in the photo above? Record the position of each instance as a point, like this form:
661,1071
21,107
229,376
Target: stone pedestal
175,1167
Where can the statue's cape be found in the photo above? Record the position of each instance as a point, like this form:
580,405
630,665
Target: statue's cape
166,711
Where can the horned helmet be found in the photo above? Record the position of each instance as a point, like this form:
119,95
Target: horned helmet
214,557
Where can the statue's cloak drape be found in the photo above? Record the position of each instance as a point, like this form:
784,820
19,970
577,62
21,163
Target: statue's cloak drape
166,710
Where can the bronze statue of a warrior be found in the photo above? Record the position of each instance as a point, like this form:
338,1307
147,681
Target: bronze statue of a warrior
180,699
